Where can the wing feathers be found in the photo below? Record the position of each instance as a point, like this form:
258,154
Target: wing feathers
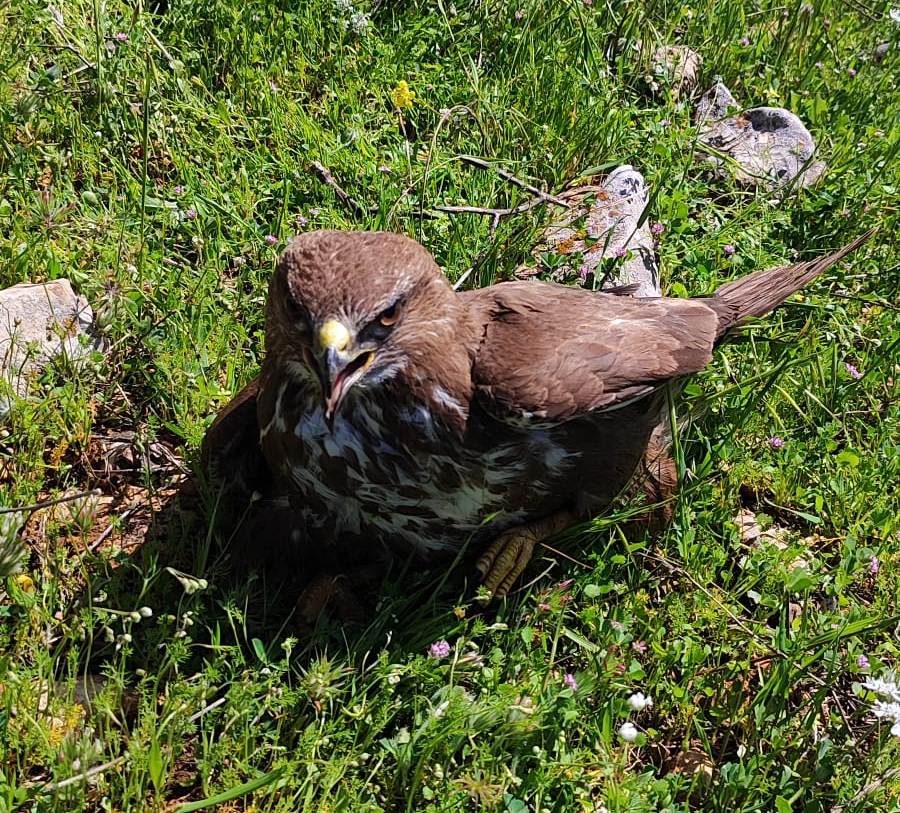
551,352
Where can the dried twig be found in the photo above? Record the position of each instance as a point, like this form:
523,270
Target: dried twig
112,524
508,176
872,786
345,197
96,492
82,777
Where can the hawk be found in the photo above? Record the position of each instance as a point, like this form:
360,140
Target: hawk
393,412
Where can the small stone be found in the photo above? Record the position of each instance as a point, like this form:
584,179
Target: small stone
678,66
607,217
696,766
770,145
37,323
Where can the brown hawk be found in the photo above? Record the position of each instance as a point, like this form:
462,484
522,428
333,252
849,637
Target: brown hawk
394,412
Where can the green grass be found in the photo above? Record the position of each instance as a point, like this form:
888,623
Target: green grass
109,146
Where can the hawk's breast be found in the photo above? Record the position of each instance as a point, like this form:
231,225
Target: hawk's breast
389,473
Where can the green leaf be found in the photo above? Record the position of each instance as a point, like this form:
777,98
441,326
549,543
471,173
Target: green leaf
232,793
847,458
592,590
260,650
579,639
782,805
155,765
799,581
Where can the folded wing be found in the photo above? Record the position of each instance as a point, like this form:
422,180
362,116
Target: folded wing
553,353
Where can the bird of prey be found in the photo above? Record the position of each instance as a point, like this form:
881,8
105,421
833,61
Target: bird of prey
393,412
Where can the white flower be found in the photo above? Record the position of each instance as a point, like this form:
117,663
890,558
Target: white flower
639,701
884,687
889,710
895,15
360,23
628,732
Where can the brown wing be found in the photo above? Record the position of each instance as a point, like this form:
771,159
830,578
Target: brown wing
551,353
231,456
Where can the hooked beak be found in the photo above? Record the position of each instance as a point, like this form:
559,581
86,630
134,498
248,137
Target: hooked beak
341,364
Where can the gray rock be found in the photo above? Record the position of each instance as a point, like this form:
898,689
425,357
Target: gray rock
601,224
676,66
770,146
37,323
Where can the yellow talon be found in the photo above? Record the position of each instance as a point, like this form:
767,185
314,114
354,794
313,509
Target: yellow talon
508,556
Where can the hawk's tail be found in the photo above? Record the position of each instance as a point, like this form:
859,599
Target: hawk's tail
758,293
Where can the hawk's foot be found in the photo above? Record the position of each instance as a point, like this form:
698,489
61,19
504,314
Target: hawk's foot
338,594
508,556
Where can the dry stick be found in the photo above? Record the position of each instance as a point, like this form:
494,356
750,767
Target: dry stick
109,529
872,786
508,176
344,196
96,492
81,777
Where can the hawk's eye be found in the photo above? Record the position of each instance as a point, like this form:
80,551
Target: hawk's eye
389,316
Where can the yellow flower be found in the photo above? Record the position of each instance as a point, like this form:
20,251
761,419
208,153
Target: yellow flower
25,582
56,455
402,96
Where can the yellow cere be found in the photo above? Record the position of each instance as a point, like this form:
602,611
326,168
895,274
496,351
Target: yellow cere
335,335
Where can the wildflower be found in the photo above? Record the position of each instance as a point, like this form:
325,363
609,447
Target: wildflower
519,15
145,612
884,687
588,3
890,711
776,442
570,681
639,646
178,190
402,96
190,213
854,373
894,14
25,583
273,86
583,272
745,41
438,650
360,23
862,662
639,701
729,249
543,606
657,229
384,169
873,565
121,36
628,732
270,239
315,211
851,71
664,123
620,252
820,65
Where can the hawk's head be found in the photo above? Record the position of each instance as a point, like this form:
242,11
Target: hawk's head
356,310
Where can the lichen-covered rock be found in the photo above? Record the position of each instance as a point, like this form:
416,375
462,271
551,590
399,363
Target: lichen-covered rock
37,323
601,235
770,146
676,66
